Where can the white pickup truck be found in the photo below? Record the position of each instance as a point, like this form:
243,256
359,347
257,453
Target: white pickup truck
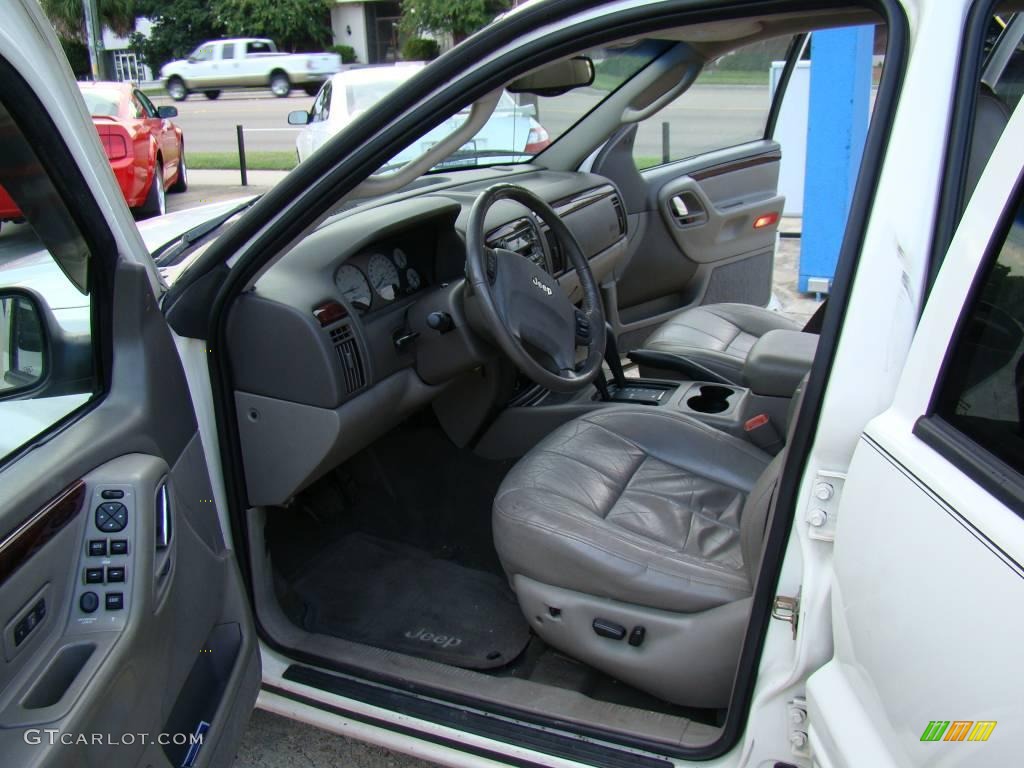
246,62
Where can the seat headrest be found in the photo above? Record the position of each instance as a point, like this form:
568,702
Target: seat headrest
991,116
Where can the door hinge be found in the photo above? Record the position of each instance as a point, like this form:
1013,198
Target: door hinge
823,506
797,710
786,608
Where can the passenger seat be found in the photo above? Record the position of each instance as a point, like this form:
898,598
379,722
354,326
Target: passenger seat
711,342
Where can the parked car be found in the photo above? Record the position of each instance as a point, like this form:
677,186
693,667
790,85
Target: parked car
362,464
27,265
146,150
246,62
511,128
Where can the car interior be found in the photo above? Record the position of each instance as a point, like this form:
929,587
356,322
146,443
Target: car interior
494,450
510,433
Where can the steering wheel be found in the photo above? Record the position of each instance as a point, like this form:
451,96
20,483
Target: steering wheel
524,308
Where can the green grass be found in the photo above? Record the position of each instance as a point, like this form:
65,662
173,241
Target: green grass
733,77
646,162
254,161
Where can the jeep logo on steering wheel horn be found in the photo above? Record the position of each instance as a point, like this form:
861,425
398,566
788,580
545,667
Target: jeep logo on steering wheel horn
541,285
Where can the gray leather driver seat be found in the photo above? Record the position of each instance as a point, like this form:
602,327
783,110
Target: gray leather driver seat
642,520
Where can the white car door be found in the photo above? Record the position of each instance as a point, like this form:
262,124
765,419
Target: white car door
127,637
929,543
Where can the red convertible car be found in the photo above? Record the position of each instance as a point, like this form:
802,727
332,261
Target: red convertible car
146,150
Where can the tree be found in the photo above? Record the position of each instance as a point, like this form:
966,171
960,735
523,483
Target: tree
295,25
68,16
178,27
460,18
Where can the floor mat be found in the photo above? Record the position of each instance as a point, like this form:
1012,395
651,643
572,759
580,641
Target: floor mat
399,598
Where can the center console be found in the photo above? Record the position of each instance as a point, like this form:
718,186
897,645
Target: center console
758,413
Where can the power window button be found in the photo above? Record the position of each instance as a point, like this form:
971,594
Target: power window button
119,547
98,548
115,575
93,575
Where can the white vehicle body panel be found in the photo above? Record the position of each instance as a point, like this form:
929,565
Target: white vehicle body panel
928,567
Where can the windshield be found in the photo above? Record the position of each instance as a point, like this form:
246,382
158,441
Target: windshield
101,103
522,125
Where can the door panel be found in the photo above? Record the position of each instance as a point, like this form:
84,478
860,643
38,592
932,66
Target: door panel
124,670
697,241
122,608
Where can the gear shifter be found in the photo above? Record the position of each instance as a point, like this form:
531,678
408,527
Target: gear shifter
618,390
611,356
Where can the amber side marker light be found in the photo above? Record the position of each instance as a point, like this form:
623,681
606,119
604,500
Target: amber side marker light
766,221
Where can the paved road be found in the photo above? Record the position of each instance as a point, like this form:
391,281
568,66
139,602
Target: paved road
706,116
209,126
272,741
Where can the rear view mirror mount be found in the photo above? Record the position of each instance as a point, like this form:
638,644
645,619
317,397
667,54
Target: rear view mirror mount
556,77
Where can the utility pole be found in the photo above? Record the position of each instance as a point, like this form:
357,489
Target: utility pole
93,41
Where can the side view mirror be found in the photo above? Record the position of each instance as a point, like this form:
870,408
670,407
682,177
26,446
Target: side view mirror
36,355
166,112
298,117
556,77
23,343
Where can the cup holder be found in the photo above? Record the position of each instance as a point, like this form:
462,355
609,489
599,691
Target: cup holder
712,399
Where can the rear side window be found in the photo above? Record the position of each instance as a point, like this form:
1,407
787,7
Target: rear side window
983,392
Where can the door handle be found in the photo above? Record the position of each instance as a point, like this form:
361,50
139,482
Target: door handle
687,210
163,518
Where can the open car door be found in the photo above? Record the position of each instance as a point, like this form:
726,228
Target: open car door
929,542
127,635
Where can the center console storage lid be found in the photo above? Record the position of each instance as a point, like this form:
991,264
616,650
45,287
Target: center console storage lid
778,361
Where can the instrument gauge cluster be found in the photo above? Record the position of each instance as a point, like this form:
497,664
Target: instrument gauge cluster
378,277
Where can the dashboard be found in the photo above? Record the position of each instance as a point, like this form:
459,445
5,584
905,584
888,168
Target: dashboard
368,318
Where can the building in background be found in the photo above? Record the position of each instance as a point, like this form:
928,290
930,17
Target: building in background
369,26
122,62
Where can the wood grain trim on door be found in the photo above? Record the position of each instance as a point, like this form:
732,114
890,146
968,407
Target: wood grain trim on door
19,546
735,165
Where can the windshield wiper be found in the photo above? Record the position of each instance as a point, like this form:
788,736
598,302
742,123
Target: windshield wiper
168,253
461,155
479,154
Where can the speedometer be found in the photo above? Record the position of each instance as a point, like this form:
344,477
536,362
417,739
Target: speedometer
383,276
353,287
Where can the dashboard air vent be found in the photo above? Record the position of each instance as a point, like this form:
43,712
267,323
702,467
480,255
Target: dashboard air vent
351,361
620,214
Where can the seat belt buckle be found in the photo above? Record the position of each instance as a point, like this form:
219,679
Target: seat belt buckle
762,433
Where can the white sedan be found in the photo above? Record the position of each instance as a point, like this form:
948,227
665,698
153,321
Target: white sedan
511,131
